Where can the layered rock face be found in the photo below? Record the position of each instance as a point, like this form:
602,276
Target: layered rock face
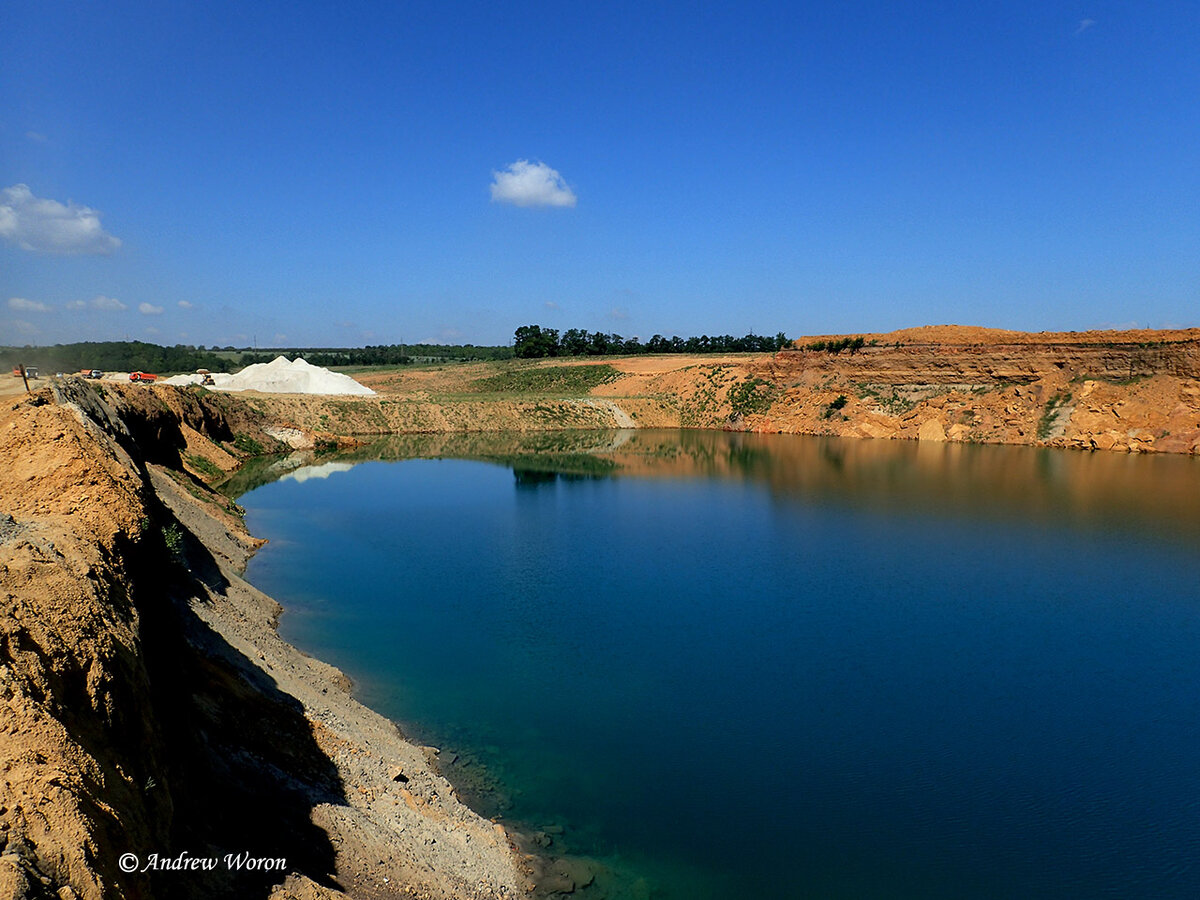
989,364
1133,396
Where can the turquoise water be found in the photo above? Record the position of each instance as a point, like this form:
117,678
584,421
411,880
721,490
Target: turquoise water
752,666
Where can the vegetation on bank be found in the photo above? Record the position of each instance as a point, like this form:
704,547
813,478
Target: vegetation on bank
116,356
138,356
570,381
383,354
853,345
534,341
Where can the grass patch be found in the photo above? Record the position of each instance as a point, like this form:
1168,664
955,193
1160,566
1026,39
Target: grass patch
247,444
753,395
205,467
1050,414
559,380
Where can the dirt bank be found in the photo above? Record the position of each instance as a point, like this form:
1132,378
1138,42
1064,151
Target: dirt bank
1134,391
148,707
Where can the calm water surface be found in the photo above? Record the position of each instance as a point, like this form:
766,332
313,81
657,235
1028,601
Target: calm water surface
750,666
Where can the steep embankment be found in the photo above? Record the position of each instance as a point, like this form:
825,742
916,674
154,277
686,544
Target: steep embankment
148,707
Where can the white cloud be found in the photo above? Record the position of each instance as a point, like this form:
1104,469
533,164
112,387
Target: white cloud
531,184
109,303
183,304
550,304
150,329
147,309
20,326
76,304
23,305
1084,25
47,226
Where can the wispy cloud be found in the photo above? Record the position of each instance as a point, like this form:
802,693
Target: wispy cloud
36,136
531,184
47,226
618,314
149,309
76,304
184,304
111,304
1084,25
550,304
22,305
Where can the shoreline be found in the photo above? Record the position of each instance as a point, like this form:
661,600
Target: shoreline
201,732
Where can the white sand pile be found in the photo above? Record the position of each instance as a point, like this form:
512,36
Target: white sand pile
280,376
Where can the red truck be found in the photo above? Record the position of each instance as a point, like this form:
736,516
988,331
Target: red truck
142,376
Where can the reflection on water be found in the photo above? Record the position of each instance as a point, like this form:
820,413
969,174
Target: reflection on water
1157,495
733,665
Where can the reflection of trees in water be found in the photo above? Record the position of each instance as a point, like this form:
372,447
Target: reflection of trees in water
1130,492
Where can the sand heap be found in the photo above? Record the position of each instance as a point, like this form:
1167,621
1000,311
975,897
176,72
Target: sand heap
280,376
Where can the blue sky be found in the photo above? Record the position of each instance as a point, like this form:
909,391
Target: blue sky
342,173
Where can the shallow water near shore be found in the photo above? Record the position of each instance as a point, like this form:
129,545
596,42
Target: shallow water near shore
747,666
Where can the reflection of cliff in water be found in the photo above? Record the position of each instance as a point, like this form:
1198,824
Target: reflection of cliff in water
1156,494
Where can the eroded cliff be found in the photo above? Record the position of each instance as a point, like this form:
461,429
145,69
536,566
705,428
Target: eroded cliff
149,713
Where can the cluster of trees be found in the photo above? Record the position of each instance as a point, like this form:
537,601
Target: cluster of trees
835,347
115,356
382,355
532,341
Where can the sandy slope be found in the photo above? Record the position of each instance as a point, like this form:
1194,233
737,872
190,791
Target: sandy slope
147,704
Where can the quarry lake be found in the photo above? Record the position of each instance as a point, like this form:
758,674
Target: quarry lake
731,665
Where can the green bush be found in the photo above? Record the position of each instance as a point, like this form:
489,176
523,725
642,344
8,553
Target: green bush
173,539
754,395
833,406
247,444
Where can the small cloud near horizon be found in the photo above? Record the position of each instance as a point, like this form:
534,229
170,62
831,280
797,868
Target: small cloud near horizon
184,304
550,304
618,314
531,184
149,309
23,305
41,225
107,303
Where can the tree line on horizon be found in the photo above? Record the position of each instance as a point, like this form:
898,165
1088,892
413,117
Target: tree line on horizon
139,356
534,341
529,341
382,354
116,356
